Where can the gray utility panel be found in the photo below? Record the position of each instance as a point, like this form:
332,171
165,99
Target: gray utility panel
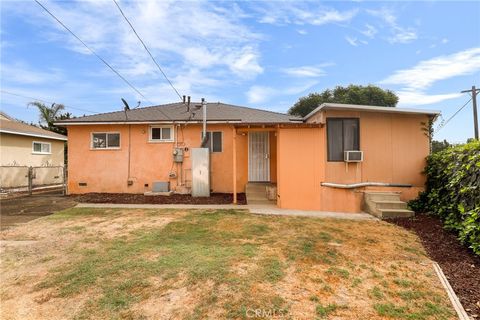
178,155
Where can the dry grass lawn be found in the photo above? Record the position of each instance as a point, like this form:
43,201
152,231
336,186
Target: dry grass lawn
160,264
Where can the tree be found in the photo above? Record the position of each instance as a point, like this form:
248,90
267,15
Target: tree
353,94
48,115
440,145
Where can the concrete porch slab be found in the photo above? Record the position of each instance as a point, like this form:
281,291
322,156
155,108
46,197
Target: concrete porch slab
312,214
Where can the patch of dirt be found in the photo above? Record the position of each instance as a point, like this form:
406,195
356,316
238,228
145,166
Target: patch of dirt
302,279
459,264
31,251
176,303
17,210
365,250
124,198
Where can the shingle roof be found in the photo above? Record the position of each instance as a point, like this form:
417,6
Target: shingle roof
220,112
19,128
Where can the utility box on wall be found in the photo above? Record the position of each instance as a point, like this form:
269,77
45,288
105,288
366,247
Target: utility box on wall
200,172
161,186
178,155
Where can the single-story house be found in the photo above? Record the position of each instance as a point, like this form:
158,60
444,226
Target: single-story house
22,146
324,161
26,145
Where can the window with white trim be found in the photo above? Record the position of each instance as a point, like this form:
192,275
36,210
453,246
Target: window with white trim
343,134
105,140
161,134
41,147
215,141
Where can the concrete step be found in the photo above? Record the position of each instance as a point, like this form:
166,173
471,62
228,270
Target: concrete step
256,190
382,196
390,204
256,193
256,197
386,205
396,213
250,187
262,202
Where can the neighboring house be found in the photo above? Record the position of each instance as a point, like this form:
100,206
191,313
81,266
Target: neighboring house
25,145
127,151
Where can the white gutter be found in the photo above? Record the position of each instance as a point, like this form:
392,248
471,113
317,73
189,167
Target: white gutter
354,107
32,135
363,184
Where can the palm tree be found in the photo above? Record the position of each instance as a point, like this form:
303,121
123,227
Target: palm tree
48,115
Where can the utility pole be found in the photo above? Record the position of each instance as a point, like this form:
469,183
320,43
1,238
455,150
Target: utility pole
474,93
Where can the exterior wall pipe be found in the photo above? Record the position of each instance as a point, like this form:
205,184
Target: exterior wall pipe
363,184
234,161
204,108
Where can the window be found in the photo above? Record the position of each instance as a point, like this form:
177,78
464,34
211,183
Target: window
161,134
343,134
105,140
214,141
42,147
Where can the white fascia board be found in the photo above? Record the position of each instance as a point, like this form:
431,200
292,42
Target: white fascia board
353,107
32,135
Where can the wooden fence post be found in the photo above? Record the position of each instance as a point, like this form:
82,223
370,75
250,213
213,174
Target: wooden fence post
64,189
30,180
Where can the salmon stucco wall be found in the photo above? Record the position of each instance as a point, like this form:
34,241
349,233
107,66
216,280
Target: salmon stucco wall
394,146
107,170
394,149
300,168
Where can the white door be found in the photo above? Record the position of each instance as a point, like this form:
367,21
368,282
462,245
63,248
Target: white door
258,156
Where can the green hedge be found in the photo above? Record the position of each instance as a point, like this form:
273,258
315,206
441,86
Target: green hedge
453,191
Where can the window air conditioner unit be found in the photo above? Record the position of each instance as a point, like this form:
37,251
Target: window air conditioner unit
353,156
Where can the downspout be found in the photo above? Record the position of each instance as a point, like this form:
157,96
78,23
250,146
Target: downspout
129,150
129,145
364,184
175,127
204,108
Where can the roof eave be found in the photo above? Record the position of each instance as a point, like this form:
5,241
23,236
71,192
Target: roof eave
33,135
329,106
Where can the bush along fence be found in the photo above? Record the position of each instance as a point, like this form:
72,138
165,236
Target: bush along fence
453,191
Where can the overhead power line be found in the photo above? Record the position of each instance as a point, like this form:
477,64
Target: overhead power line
149,53
93,52
443,124
44,101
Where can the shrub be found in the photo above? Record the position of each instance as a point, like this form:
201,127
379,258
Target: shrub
453,191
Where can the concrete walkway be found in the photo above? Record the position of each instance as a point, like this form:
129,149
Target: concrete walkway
254,209
315,214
